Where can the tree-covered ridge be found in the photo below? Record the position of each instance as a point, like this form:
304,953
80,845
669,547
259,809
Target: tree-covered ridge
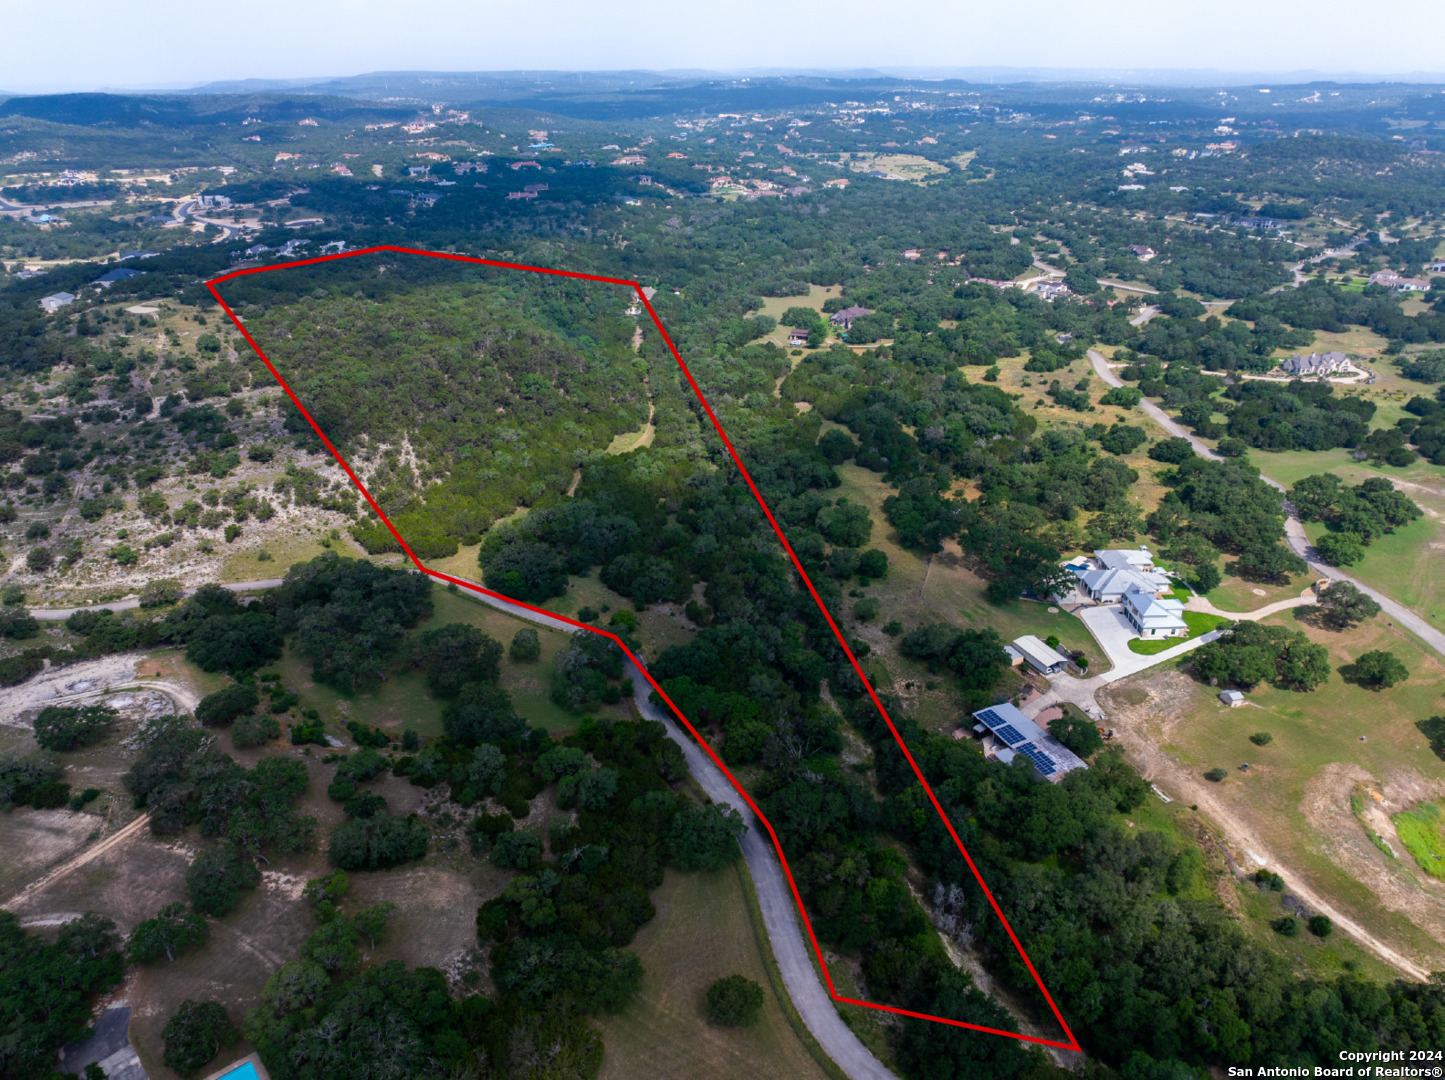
458,408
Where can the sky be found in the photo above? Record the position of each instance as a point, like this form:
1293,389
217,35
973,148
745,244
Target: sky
155,43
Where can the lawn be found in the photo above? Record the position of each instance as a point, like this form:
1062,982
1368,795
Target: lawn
1402,566
1198,622
703,931
1295,797
1422,831
1236,594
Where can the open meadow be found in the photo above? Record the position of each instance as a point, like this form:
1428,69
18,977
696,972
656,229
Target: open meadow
1318,796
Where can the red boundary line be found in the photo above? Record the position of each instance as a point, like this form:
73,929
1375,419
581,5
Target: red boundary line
1073,1043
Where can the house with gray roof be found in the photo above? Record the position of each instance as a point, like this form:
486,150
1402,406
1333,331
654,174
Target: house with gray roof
1152,617
55,301
1009,734
844,319
1330,363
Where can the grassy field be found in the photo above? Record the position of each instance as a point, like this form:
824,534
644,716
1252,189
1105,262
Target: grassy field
1402,566
920,590
1198,623
702,932
1422,831
1295,797
908,166
1236,594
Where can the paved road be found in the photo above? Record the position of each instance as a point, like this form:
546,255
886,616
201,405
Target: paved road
1294,530
61,614
774,895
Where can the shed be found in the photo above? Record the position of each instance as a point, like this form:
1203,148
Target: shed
1232,698
798,336
1040,656
56,301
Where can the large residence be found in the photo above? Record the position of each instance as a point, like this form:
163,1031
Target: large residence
844,319
1399,282
56,301
1008,733
1153,617
1330,363
1118,572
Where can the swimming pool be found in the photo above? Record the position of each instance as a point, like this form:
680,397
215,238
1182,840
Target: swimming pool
246,1071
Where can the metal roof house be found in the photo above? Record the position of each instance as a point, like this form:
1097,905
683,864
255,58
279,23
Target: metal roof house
55,301
1154,618
123,273
1039,655
1015,735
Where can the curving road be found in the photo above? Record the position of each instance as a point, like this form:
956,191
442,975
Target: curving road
775,897
1293,528
61,614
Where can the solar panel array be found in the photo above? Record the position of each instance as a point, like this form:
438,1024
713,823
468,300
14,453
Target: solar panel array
1041,760
1009,734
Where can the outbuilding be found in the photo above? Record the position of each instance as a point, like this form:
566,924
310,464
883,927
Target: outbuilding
1040,656
1233,698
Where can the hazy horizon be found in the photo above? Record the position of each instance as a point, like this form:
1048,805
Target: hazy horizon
167,44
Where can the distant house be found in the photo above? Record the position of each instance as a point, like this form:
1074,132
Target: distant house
844,319
1233,698
55,301
123,273
1153,617
1436,267
1009,734
1063,338
1051,290
256,249
1144,251
27,274
124,255
798,336
1259,223
1039,655
214,200
1329,363
1398,282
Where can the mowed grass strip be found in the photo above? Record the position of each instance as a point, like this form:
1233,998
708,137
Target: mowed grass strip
1198,622
1422,831
702,933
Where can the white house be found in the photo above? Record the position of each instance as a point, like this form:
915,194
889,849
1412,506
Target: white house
1153,617
1121,570
55,301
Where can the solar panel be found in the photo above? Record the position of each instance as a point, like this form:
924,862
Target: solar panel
1041,760
989,717
1008,733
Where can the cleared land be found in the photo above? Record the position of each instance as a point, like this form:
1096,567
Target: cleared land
1293,805
702,933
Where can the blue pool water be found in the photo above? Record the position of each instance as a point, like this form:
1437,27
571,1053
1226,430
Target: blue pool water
245,1072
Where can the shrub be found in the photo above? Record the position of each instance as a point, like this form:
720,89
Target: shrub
195,1034
734,1001
66,727
216,878
1261,738
526,646
254,729
1286,926
1172,451
519,850
222,707
159,593
377,842
1215,775
1321,926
